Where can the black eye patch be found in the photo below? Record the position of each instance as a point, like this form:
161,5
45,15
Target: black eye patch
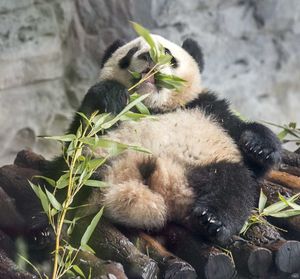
174,61
125,61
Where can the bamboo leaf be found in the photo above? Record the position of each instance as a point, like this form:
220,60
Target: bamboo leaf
136,116
135,75
79,131
41,195
286,213
35,188
114,148
87,248
164,59
282,134
143,32
90,229
94,164
126,109
140,106
95,183
53,200
47,179
83,116
262,201
78,270
280,205
63,138
32,265
275,207
63,181
44,200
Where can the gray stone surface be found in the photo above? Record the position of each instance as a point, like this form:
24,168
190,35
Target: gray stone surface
50,53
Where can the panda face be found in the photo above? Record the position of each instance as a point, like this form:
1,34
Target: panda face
134,57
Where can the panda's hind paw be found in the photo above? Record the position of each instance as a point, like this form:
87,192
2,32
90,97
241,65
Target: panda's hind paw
210,226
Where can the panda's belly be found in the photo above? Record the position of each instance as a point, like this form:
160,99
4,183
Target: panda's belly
188,136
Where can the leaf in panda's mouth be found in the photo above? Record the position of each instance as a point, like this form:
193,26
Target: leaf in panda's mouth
160,58
169,81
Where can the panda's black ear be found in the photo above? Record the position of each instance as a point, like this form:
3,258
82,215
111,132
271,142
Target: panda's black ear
110,50
195,51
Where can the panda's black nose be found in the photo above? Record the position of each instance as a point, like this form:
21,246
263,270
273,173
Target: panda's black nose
145,56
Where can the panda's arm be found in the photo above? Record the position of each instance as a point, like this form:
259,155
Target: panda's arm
258,144
106,96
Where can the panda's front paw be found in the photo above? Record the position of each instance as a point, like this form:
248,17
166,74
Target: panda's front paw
210,225
261,146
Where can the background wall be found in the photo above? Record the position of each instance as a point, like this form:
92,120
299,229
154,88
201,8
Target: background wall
50,52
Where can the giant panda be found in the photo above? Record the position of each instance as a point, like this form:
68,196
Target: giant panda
205,162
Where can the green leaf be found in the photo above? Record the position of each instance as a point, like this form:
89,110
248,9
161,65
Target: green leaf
113,147
275,207
169,81
99,120
153,54
280,205
95,183
32,265
63,181
64,138
282,134
53,200
90,273
90,229
83,116
126,109
71,149
164,59
244,228
294,205
87,248
135,75
78,270
142,109
94,164
262,201
47,179
136,116
286,213
53,212
140,106
79,131
41,195
143,32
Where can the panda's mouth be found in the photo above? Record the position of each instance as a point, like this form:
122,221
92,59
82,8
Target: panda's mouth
149,78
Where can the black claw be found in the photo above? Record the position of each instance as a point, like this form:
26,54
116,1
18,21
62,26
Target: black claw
207,221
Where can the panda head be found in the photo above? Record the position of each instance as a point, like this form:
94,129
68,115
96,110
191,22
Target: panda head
120,59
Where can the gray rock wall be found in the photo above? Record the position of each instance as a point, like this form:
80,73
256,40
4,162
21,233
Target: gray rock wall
50,53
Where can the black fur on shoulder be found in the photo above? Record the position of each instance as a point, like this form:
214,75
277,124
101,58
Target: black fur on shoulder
220,110
195,51
110,50
226,193
106,96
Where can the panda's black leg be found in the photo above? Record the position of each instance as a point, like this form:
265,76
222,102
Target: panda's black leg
225,197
